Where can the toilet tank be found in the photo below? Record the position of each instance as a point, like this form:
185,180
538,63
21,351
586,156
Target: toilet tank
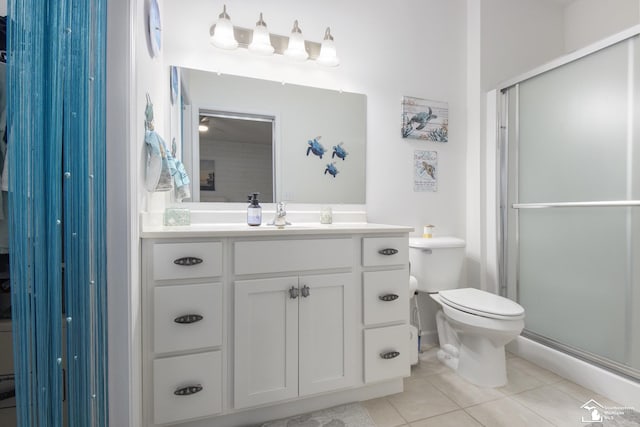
436,262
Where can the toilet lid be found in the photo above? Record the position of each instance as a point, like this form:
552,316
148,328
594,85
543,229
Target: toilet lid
481,303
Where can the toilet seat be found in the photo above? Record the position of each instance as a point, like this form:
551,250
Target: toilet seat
481,303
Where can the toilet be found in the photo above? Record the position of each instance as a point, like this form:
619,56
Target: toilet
473,325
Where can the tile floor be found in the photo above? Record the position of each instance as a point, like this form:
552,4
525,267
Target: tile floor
434,396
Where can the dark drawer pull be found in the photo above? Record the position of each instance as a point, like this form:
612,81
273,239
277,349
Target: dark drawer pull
188,261
388,297
390,354
188,390
388,251
188,318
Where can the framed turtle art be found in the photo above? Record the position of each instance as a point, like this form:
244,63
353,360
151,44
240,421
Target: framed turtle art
425,119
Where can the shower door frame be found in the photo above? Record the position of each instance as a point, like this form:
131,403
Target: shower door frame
504,258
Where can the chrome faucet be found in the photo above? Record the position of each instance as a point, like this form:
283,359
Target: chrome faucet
280,220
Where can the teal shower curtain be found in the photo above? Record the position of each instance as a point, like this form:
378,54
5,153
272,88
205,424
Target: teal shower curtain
56,155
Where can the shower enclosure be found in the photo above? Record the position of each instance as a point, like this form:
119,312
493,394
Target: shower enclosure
569,234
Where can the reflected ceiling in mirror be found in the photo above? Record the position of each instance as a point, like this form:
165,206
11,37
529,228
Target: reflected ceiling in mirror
319,137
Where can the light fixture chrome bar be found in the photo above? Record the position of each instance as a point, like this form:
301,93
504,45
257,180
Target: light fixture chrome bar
605,204
279,43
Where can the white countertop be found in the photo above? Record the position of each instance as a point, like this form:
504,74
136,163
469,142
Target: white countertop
241,230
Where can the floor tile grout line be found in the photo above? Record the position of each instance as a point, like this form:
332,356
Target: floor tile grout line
534,411
436,415
471,415
397,411
463,407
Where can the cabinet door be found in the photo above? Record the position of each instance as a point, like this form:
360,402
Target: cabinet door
266,341
327,333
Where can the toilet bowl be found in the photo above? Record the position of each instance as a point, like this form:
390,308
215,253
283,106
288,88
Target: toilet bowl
473,325
476,328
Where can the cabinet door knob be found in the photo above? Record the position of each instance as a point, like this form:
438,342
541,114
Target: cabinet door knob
305,291
390,354
188,390
388,297
188,318
388,251
293,292
188,261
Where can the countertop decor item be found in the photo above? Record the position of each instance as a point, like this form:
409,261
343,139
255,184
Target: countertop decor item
177,216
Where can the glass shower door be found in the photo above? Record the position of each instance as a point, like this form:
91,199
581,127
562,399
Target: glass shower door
574,219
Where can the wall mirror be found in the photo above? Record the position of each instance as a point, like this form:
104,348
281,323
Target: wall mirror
291,143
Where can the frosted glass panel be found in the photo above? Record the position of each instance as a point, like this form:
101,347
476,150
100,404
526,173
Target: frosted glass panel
573,135
573,130
574,270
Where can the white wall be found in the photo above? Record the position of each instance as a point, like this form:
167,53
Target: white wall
420,53
505,39
587,21
122,220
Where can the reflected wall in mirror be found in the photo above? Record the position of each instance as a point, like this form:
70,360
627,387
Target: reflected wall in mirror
235,154
318,140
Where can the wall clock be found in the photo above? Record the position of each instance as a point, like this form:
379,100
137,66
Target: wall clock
155,28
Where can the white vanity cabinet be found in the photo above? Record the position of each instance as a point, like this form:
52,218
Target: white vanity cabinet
183,336
385,293
293,337
236,322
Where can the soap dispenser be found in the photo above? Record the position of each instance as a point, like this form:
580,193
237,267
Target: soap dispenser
254,211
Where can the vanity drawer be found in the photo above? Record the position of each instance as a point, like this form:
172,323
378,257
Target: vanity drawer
275,256
385,296
385,251
386,341
187,260
202,372
176,317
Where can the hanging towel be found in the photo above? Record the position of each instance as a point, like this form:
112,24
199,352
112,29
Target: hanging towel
158,177
164,172
181,180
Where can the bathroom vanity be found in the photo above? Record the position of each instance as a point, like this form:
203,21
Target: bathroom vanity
245,324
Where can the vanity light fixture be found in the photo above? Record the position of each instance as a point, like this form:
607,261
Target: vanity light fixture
328,55
223,32
261,42
295,49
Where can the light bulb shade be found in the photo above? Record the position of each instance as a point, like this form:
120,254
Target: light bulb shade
223,32
295,48
261,42
328,56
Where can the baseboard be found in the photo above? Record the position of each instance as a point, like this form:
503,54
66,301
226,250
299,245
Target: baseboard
606,383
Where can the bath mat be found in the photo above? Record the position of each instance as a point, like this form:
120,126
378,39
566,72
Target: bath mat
628,419
351,415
